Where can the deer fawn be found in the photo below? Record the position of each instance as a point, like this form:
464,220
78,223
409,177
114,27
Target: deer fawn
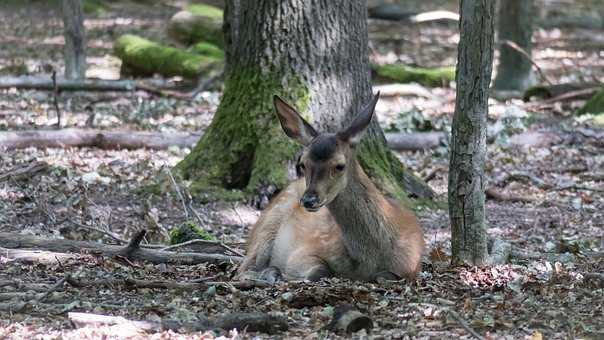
334,221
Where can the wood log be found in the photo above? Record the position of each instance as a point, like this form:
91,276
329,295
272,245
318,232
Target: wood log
112,140
144,57
415,140
35,256
14,241
401,73
251,322
348,320
557,90
397,13
197,23
95,138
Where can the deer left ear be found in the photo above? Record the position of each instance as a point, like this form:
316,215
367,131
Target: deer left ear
353,133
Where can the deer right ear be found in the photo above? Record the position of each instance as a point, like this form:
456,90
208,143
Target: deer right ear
293,124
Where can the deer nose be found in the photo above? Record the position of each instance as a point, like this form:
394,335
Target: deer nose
309,201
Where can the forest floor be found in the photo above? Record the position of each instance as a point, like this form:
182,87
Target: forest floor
551,160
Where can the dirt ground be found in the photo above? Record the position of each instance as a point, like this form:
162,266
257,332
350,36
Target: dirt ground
549,159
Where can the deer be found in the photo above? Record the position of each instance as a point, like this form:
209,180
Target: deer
332,221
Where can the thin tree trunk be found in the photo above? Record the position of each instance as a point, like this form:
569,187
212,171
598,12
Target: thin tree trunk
75,41
313,54
516,25
468,135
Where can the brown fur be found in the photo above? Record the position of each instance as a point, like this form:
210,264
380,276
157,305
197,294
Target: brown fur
354,231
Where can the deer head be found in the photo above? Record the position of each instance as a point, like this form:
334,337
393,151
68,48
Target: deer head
328,159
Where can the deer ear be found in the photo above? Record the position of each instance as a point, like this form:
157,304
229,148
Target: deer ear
293,124
353,133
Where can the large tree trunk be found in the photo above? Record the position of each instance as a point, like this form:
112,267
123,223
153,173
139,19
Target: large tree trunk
75,42
312,54
516,25
468,135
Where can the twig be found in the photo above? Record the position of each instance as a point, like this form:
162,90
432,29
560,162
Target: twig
52,289
463,324
203,85
158,284
177,189
520,50
55,95
199,241
112,235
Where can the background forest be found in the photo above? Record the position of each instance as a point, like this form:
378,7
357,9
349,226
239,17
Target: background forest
138,145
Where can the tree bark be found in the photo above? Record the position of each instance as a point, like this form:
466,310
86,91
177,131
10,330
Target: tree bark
75,41
468,135
314,55
515,24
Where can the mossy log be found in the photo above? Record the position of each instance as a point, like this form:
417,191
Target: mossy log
197,23
207,49
400,73
595,105
144,57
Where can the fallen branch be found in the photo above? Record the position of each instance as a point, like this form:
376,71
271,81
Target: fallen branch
202,242
251,322
21,172
46,83
397,13
95,138
520,50
492,193
140,284
394,90
112,140
415,141
131,252
34,256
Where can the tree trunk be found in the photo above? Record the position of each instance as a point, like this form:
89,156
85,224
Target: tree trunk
314,55
516,25
468,135
75,42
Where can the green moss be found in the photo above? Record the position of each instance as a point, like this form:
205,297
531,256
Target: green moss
391,177
244,148
440,76
207,49
595,105
188,231
197,23
145,57
205,10
93,7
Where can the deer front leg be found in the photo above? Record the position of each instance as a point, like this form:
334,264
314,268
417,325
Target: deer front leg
304,266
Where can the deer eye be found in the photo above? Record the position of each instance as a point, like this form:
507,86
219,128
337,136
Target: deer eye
340,167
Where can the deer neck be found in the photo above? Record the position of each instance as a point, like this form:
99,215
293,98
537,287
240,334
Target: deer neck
359,210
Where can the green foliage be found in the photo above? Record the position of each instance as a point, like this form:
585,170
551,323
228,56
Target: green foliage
401,73
207,49
595,105
187,231
146,57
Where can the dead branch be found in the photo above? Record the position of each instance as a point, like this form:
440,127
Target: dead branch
523,176
251,322
492,193
95,138
464,325
186,286
520,50
202,242
131,252
394,90
112,140
55,97
397,13
108,233
415,140
35,256
46,83
21,172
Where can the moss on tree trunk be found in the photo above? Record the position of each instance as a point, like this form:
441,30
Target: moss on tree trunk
400,73
144,57
244,148
317,61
